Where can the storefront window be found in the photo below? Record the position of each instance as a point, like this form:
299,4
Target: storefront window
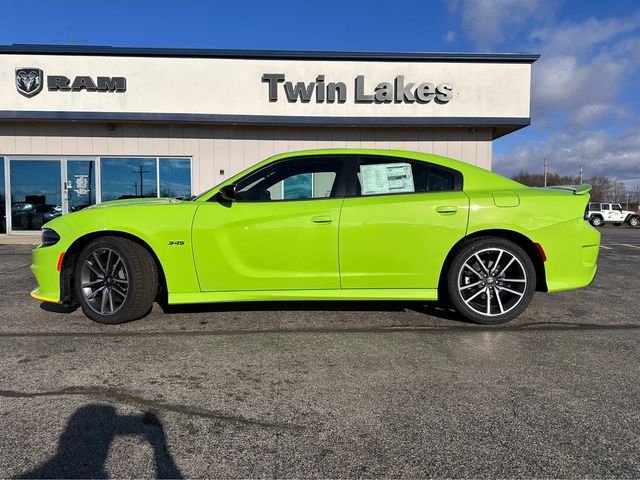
128,178
81,184
175,177
36,193
3,207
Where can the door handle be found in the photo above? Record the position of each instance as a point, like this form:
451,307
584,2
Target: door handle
322,219
447,209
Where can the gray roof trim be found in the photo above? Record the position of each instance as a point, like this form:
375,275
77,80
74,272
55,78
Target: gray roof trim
503,125
260,119
28,49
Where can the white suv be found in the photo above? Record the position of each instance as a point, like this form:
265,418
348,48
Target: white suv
601,213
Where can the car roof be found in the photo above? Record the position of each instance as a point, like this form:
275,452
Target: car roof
470,172
475,178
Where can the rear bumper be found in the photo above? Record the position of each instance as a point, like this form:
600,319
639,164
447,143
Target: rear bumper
572,252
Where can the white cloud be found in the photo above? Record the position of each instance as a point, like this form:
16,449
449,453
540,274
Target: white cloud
579,38
564,84
611,154
450,36
580,85
590,114
583,66
488,22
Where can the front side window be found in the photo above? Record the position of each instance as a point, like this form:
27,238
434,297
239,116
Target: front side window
383,176
616,207
299,179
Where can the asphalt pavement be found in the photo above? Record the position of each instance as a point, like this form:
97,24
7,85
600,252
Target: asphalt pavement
359,389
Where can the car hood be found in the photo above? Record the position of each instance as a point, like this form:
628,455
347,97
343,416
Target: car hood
137,202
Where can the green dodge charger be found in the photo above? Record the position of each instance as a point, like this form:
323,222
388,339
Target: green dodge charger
375,225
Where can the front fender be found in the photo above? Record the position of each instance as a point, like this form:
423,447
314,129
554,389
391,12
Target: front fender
165,229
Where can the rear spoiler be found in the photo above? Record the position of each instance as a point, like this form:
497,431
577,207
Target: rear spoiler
583,189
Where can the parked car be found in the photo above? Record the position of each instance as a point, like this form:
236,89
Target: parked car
600,213
358,225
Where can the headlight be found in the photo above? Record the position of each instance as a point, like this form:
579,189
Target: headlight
49,237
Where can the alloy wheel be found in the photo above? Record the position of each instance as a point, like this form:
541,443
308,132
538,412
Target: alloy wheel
104,281
492,281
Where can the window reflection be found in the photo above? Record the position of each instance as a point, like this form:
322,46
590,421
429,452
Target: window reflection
3,207
175,177
36,193
298,186
128,178
288,180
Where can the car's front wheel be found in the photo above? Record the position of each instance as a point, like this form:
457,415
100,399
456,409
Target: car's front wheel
491,280
116,280
634,221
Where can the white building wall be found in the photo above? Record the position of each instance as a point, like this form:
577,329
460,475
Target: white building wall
219,152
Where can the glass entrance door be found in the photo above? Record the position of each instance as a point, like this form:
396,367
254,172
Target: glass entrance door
35,187
80,184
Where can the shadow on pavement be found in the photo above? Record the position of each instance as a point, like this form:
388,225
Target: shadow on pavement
434,309
84,446
57,308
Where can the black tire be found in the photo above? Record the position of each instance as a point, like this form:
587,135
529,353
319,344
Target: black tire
596,221
130,281
507,299
634,221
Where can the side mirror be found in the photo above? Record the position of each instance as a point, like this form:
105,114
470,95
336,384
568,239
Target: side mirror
228,192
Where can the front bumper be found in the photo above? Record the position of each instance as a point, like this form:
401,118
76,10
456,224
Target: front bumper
44,266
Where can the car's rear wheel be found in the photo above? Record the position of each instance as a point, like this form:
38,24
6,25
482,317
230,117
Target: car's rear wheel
116,280
491,280
596,221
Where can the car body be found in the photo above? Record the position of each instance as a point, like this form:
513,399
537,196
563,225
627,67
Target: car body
368,225
600,213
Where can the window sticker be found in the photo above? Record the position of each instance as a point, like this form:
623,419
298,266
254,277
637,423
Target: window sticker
386,178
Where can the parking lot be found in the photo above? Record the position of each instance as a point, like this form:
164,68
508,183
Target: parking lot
325,389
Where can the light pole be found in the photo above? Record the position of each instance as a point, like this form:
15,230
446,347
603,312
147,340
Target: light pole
141,171
580,174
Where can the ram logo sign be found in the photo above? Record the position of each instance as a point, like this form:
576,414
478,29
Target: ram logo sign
29,81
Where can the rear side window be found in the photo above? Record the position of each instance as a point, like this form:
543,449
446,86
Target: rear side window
387,175
594,207
605,206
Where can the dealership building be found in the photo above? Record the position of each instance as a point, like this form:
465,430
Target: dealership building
81,125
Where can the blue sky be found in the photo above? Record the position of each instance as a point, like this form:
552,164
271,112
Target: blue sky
585,102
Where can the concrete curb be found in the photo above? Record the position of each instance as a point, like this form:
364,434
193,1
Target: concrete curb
20,240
